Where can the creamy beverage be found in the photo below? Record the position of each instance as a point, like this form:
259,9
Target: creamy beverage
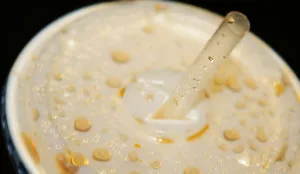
89,93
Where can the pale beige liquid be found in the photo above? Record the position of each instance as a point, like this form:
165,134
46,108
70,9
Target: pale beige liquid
251,108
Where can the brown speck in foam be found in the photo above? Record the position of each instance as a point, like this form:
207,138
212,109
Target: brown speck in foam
282,153
148,29
121,92
191,170
164,140
160,7
250,83
78,159
261,135
31,147
63,161
279,88
198,134
233,83
137,146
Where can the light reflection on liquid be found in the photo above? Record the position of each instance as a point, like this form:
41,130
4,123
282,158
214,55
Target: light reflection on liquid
244,160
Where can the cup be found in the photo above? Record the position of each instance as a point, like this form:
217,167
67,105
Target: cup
183,20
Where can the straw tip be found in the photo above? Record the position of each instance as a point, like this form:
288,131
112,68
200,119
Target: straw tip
236,17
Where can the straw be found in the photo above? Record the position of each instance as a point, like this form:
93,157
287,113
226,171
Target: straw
216,50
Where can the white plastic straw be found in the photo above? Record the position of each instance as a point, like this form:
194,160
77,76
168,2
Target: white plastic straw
216,50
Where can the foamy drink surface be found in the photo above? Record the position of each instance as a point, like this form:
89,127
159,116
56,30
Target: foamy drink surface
89,93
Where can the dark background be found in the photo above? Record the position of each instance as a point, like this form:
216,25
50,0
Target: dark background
271,21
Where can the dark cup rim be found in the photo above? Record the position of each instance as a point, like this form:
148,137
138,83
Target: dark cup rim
12,152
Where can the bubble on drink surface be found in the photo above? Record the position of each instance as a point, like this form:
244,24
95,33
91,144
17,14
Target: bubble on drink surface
133,156
120,56
155,164
101,154
79,159
231,134
238,149
82,124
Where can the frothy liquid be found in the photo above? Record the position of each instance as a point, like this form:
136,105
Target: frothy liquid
73,95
